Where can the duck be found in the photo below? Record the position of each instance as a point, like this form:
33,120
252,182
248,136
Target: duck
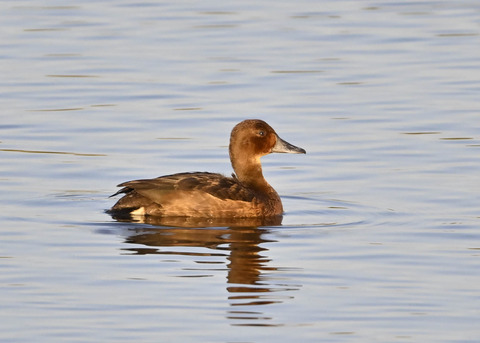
246,194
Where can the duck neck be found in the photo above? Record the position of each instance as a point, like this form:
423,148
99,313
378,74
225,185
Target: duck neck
250,174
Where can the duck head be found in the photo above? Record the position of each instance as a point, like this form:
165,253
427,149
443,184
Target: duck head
250,140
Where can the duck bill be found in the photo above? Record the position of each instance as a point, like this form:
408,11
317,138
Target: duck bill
282,146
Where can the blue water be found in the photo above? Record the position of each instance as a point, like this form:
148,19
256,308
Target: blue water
380,239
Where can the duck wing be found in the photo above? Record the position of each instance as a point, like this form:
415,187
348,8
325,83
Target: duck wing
217,185
198,194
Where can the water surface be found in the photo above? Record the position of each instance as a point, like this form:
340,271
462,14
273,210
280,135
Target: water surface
380,240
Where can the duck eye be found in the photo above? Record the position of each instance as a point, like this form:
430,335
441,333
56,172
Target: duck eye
261,133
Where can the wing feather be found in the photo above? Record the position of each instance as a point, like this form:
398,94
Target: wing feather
161,188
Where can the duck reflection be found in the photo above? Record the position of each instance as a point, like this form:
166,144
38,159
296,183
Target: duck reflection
249,272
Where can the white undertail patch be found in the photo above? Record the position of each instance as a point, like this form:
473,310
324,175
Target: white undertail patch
138,212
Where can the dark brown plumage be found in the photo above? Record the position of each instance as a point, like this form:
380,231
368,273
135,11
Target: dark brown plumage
209,195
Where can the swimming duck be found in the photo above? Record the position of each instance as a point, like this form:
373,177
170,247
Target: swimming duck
210,195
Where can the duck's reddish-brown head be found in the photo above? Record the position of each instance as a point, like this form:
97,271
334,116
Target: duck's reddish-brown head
255,138
252,139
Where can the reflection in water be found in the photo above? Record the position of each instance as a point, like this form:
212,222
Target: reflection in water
249,279
192,222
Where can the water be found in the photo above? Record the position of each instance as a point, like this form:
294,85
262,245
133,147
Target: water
380,240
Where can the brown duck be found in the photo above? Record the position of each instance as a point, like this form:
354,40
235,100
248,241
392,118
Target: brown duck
209,195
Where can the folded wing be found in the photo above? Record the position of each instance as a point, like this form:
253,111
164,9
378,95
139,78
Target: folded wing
186,194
